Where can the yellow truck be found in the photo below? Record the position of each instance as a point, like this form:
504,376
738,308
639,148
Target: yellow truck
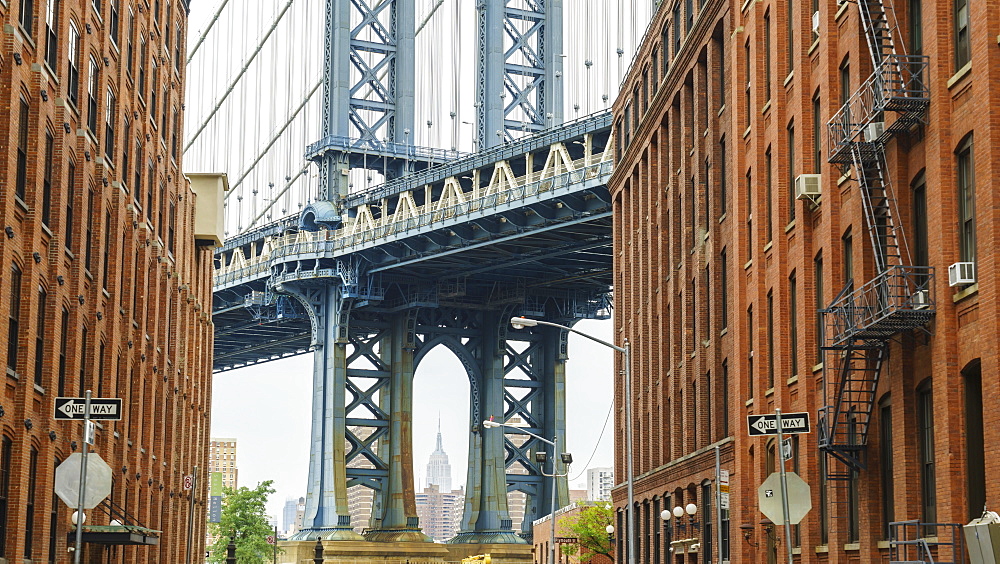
482,558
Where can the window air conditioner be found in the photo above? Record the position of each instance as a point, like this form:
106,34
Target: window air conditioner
808,186
921,299
815,22
962,273
874,131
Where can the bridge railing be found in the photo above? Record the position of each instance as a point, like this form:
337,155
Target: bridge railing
327,242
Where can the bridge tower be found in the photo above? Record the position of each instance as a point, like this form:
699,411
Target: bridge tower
369,334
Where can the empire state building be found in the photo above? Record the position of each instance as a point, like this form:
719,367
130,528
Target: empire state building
438,468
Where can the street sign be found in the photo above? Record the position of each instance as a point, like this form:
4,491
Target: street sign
98,485
767,424
270,539
106,409
89,432
786,446
724,489
770,501
188,481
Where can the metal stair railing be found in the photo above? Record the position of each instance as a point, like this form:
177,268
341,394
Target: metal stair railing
914,542
899,299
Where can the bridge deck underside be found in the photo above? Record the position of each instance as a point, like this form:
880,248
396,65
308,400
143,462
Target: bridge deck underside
242,338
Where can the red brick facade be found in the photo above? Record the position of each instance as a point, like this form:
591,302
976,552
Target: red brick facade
102,284
720,271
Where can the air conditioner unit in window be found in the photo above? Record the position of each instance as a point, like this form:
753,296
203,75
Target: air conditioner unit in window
921,299
808,186
874,131
962,273
815,22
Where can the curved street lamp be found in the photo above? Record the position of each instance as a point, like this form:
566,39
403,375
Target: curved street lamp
522,322
566,458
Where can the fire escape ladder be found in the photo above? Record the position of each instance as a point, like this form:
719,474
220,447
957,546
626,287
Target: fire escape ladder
878,29
878,203
844,425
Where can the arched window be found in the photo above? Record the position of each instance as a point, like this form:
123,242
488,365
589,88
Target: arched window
6,451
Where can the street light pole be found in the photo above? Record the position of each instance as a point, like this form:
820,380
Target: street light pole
567,460
625,349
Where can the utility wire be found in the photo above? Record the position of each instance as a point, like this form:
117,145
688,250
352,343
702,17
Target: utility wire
599,437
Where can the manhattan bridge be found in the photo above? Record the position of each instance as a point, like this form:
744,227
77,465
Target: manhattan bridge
408,174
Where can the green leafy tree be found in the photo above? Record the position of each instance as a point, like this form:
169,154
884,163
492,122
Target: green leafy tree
243,514
589,526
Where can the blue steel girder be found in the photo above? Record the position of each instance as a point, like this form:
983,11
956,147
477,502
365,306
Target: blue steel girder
519,55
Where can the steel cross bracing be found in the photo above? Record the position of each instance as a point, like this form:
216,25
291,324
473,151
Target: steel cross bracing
519,68
443,263
860,322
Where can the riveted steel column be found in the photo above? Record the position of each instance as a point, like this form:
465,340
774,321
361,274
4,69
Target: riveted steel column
336,97
326,515
399,512
487,517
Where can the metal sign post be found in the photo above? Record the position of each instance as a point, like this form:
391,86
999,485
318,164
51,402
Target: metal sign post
784,490
83,481
190,541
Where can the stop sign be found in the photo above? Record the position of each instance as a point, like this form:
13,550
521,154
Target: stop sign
98,484
770,500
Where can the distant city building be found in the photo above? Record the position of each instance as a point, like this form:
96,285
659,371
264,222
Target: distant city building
360,498
599,483
439,469
292,514
440,512
222,458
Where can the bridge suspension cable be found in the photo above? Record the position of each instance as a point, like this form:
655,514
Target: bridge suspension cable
274,139
239,76
288,185
205,33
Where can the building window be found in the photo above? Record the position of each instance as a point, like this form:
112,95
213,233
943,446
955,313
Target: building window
27,15
129,50
93,88
925,453
63,340
966,203
793,321
885,456
920,249
845,81
171,219
665,42
40,335
70,197
791,172
975,452
113,25
963,50
21,181
724,289
6,453
853,484
749,83
13,327
109,126
847,241
769,205
29,506
767,56
83,361
708,533
47,179
818,275
790,33
817,134
689,13
677,29
142,66
750,237
51,32
916,28
722,177
73,72
97,6
750,338
770,339
100,369
720,68
107,251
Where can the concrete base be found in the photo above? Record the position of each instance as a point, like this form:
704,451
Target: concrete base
353,552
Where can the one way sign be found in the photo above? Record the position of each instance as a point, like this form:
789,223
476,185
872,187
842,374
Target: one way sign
767,424
107,409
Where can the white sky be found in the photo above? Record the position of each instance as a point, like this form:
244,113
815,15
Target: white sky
267,409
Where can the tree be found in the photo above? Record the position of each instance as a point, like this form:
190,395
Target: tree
243,516
589,526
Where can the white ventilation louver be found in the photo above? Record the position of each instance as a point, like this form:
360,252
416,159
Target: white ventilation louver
808,186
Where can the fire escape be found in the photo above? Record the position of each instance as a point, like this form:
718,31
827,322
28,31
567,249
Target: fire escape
860,322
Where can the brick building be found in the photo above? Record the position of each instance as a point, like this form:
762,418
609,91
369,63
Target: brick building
104,286
741,193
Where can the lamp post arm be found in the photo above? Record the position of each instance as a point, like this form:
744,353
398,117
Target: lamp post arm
521,431
580,333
